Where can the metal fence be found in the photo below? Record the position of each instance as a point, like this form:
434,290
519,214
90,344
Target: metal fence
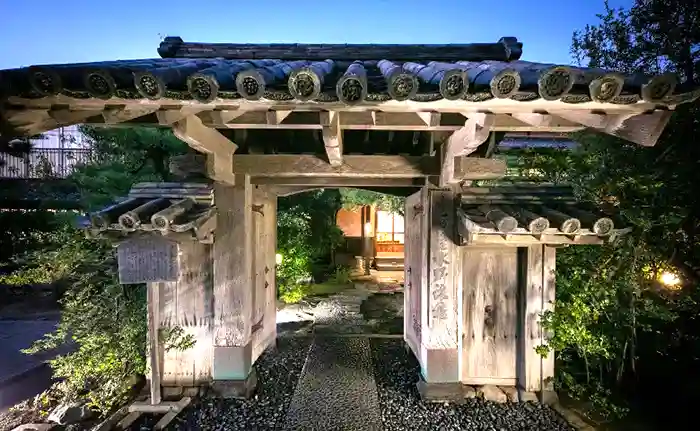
43,162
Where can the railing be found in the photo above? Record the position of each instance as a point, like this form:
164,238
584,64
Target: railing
43,162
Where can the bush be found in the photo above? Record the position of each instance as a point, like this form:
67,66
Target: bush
306,235
105,320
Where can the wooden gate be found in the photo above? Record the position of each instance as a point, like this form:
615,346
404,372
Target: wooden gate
490,281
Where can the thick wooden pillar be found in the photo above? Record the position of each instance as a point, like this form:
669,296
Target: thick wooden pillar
415,267
233,275
245,243
434,282
264,330
440,343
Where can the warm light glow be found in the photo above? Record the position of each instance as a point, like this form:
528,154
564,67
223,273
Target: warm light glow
368,229
669,279
278,259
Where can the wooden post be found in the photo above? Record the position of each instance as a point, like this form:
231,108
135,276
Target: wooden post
367,252
154,348
415,267
233,289
536,296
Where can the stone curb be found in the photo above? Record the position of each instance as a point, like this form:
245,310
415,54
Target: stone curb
574,419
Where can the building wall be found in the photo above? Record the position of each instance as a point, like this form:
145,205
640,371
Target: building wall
350,222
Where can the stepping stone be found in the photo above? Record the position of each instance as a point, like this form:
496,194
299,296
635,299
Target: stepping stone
336,390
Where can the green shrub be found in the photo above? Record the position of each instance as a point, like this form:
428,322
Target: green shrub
293,293
341,275
105,320
306,236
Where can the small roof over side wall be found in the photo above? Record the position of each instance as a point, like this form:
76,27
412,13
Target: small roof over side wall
528,214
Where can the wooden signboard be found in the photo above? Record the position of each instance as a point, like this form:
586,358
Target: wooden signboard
148,260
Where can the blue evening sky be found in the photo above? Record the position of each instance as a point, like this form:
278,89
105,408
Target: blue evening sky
69,31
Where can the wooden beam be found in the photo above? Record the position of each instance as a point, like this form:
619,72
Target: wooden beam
316,182
220,118
332,137
282,191
642,129
65,116
275,118
367,120
287,165
368,167
534,119
430,118
168,117
219,149
115,115
463,142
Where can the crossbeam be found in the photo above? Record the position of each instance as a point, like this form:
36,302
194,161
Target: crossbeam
338,182
309,166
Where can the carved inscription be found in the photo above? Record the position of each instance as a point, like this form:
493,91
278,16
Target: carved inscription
440,264
148,260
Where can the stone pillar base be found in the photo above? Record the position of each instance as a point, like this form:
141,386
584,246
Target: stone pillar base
458,392
548,397
443,392
241,389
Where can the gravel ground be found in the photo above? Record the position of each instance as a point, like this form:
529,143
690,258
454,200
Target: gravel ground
396,374
278,372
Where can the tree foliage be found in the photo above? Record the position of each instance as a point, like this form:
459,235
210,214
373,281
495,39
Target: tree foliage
124,156
616,328
306,235
103,319
353,198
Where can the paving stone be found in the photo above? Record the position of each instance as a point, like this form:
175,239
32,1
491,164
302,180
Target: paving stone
35,427
526,396
492,393
336,390
511,392
468,392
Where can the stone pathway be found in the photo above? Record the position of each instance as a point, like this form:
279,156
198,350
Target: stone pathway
356,310
336,390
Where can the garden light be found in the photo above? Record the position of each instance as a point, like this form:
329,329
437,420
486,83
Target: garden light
669,279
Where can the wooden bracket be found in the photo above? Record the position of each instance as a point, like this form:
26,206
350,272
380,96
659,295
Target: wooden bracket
219,149
332,137
464,142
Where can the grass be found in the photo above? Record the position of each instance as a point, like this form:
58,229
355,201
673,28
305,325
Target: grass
326,288
298,293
